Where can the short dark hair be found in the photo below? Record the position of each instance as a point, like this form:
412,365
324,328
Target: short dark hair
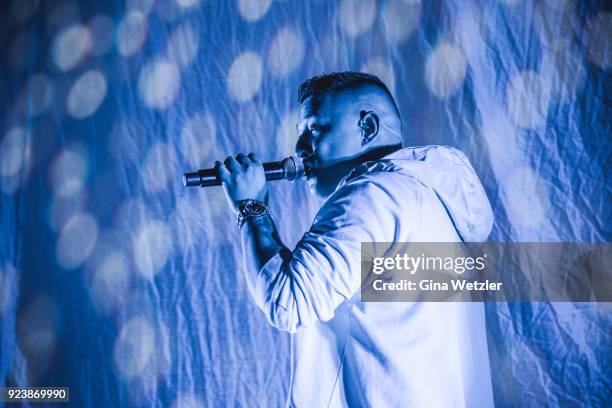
335,81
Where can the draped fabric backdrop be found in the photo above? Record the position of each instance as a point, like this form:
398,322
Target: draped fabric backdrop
120,283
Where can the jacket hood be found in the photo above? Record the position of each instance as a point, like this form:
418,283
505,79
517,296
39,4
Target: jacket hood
449,173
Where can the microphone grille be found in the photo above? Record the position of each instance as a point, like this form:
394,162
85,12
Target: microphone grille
293,168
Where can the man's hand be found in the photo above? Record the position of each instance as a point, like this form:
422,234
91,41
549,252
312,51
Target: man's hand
243,178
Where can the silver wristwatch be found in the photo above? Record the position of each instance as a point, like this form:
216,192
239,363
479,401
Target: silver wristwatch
250,209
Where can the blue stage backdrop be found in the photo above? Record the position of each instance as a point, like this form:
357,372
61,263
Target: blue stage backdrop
120,283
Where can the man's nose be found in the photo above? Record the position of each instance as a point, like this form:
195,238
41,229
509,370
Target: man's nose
303,147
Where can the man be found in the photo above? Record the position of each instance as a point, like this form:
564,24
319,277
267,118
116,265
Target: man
349,353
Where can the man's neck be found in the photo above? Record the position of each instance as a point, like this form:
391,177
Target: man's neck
377,153
342,169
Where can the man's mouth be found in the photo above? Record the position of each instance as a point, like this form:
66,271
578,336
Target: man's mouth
309,169
309,172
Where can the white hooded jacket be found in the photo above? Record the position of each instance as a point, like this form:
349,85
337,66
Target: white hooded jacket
348,353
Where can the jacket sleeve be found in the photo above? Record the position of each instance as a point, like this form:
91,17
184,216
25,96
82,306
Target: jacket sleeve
295,289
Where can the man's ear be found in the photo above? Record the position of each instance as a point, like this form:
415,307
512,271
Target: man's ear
369,124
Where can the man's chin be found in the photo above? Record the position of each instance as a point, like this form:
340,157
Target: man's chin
312,185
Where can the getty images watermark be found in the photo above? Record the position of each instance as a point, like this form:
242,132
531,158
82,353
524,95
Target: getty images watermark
467,272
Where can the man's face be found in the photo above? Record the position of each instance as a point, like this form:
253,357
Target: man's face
329,136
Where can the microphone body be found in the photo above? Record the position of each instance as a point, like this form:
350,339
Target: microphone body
289,169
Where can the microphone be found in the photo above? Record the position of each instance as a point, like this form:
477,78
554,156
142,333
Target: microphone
289,169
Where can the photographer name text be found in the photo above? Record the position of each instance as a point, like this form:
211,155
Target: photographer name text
428,285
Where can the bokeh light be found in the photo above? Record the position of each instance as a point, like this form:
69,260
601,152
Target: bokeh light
467,34
61,209
102,31
110,281
196,137
158,84
525,193
68,171
87,94
253,10
182,46
143,6
77,240
108,271
445,70
187,3
285,52
160,167
244,76
528,98
71,46
39,94
151,247
131,33
357,16
400,19
383,69
15,159
14,152
37,332
286,134
134,347
188,401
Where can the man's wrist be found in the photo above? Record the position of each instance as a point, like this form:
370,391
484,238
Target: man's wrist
250,210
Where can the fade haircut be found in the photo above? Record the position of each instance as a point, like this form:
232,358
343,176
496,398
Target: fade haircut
337,81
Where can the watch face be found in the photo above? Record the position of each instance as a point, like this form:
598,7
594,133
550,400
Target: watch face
253,208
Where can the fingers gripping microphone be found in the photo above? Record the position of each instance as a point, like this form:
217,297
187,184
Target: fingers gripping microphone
289,169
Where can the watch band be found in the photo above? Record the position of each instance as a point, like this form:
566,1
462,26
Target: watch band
249,209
